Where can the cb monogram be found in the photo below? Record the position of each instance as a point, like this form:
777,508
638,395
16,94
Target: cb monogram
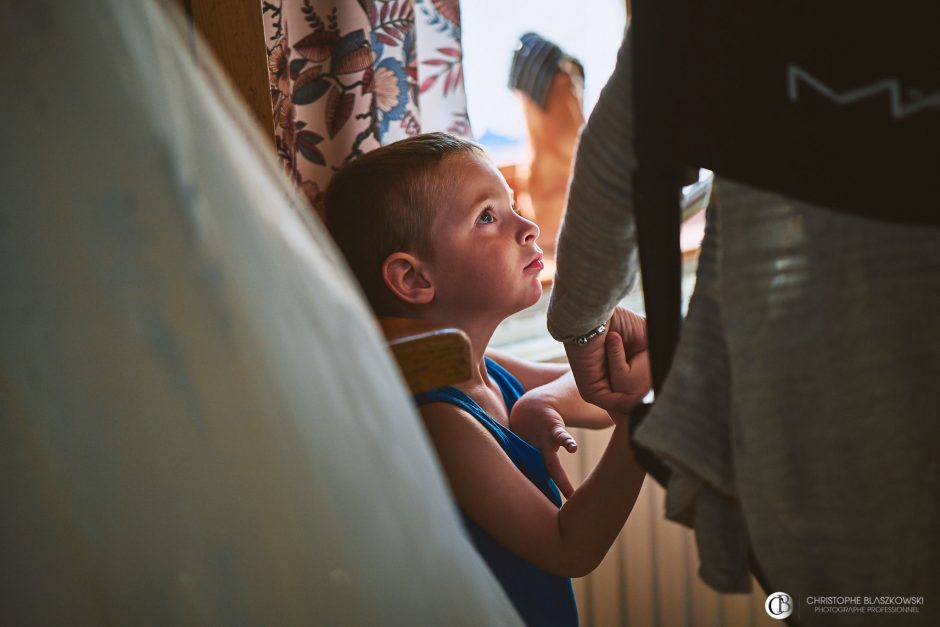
779,605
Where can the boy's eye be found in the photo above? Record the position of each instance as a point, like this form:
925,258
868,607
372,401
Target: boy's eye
486,217
516,210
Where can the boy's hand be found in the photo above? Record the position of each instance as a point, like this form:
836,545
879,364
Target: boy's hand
614,373
535,420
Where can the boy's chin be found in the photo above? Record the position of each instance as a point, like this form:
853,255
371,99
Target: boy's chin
530,299
533,298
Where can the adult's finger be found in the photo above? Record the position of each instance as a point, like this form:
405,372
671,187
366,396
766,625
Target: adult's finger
617,364
640,369
632,328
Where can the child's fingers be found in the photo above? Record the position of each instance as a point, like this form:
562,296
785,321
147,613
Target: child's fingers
561,437
557,473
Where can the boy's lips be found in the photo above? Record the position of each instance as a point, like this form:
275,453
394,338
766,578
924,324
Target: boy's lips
536,263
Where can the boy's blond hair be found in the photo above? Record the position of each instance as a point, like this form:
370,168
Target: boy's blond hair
385,202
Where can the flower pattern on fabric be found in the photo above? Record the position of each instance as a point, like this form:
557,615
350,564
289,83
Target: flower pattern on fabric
446,16
391,93
277,66
356,74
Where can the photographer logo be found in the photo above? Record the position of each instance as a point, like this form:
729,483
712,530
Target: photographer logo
779,605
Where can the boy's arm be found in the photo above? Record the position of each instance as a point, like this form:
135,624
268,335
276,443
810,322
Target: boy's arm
562,395
552,385
498,497
541,416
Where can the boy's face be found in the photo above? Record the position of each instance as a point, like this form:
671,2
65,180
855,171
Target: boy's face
486,261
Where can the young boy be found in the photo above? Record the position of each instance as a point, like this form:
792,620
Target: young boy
429,227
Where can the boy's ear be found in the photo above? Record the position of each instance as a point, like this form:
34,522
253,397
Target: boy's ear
405,276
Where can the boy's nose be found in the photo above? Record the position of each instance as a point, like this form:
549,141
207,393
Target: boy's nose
529,231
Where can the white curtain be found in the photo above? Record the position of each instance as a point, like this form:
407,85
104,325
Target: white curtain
199,422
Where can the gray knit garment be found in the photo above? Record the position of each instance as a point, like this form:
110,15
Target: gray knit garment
801,407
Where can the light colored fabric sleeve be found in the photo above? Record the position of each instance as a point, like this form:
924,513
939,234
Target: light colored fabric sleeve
597,254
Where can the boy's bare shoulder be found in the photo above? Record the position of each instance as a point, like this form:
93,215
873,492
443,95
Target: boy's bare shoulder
442,411
445,421
461,441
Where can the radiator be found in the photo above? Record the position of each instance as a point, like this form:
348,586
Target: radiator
650,575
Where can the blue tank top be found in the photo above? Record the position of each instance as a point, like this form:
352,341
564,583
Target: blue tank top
542,599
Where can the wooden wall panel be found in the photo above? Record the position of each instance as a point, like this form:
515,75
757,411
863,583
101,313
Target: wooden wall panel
234,31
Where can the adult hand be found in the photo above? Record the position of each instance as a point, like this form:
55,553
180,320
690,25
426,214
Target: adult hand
535,420
614,373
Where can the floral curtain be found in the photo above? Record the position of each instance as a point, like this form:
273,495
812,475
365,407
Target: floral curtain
350,75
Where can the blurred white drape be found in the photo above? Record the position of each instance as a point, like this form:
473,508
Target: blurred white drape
199,422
